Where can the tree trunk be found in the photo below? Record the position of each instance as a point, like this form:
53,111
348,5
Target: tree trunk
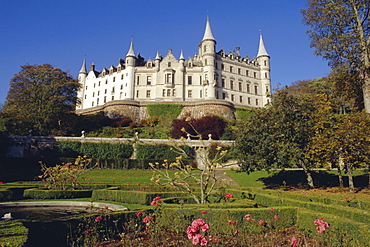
308,175
340,168
350,179
366,92
340,177
368,174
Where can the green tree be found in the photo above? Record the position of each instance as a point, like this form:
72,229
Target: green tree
277,136
340,33
41,98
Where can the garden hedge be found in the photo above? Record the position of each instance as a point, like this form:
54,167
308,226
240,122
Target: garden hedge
56,194
159,152
171,111
13,233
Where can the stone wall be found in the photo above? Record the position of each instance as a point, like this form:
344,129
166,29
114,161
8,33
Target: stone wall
137,111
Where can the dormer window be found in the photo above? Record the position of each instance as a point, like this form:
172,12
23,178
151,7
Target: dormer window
169,64
169,78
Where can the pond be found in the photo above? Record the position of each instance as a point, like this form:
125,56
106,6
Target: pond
50,222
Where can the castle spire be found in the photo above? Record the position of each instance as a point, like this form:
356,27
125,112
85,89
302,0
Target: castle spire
208,32
131,52
181,56
262,50
83,68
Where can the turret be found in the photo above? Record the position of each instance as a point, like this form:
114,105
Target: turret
157,61
207,51
130,70
263,60
82,74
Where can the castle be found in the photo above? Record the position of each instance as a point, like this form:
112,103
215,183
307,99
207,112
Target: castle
209,83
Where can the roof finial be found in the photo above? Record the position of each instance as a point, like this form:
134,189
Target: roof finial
83,68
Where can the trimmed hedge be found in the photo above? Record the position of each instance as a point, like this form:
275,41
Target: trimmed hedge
13,233
56,194
159,152
180,219
94,150
244,114
131,197
5,195
342,231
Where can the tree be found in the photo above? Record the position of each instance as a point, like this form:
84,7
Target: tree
41,98
278,136
340,33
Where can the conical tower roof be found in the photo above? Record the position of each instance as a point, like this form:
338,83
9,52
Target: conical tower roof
83,68
208,32
261,49
131,52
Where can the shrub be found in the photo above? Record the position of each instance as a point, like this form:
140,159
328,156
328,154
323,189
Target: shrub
204,126
13,233
243,114
106,150
56,194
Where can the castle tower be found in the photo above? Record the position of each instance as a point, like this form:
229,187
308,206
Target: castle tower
82,74
207,52
263,60
130,70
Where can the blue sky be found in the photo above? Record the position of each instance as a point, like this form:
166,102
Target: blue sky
62,33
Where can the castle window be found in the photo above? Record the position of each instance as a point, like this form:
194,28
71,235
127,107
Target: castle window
216,94
97,101
86,87
248,88
240,86
148,93
173,92
205,61
256,101
148,80
120,95
256,89
247,73
99,84
113,97
223,95
190,80
121,86
231,68
239,71
231,85
137,93
266,75
169,78
105,99
98,93
168,92
164,92
249,101
122,77
85,96
112,90
105,91
114,79
241,99
267,89
94,85
106,81
222,66
265,62
232,97
92,103
223,83
255,74
137,80
200,94
190,93
200,80
169,64
93,94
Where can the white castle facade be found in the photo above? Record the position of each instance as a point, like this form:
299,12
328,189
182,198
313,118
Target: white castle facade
210,76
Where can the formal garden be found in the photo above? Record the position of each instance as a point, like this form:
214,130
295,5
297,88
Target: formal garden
172,203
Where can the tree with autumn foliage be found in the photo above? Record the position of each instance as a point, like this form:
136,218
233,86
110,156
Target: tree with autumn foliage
41,98
340,33
277,136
